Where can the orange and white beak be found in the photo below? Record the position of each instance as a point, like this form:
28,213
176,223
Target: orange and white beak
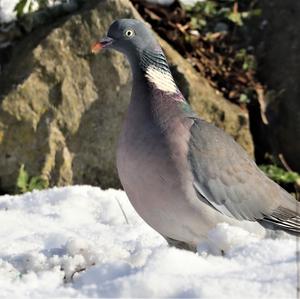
103,43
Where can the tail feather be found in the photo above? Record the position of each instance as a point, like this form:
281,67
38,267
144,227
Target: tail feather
284,219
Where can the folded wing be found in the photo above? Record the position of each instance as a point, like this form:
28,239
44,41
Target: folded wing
227,179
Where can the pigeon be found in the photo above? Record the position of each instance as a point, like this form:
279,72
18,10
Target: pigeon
183,175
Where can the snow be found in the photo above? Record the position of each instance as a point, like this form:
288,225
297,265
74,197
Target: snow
82,241
6,10
7,7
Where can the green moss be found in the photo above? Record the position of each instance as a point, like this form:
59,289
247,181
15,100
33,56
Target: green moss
204,14
280,175
20,6
27,184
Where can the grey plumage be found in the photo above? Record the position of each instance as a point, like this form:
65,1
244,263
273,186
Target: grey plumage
228,180
182,174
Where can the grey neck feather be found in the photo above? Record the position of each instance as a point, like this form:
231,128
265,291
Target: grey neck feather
156,71
151,72
155,58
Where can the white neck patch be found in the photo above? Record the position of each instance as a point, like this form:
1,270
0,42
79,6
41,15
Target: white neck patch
161,79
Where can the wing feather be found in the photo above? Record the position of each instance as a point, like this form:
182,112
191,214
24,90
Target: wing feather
227,179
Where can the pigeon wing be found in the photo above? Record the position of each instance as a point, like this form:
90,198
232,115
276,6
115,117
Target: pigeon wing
227,179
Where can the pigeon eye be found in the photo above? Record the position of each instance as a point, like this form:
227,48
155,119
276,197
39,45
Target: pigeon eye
129,33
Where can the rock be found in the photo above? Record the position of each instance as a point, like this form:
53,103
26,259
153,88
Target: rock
61,108
276,39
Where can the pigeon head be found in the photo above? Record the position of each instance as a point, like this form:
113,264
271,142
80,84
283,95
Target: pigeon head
135,39
128,36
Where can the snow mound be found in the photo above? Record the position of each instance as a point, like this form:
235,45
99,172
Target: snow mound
82,241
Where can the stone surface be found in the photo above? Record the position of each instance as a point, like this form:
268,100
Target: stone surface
276,38
61,108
